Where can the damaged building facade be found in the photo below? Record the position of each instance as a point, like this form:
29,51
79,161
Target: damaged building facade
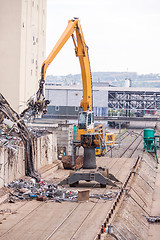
22,45
12,156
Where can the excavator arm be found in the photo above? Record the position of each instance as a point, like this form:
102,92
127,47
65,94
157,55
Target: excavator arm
88,135
81,51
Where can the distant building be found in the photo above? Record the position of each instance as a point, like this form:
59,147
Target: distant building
102,84
65,100
128,83
22,49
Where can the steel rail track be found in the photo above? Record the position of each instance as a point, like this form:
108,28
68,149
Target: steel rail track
57,228
117,199
124,137
128,148
74,209
135,148
117,202
119,195
121,140
69,215
122,134
131,154
21,220
62,222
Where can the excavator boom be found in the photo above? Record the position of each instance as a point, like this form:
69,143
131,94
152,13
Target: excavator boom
81,51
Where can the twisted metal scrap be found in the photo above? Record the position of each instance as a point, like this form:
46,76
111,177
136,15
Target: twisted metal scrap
25,135
153,219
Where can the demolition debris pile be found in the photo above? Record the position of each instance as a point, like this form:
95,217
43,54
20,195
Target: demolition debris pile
11,142
42,191
13,130
10,137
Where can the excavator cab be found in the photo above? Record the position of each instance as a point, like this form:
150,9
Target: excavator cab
86,120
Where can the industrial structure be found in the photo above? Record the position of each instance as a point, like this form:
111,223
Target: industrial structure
22,45
134,98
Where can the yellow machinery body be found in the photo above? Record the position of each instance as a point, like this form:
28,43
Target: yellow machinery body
102,139
88,134
110,141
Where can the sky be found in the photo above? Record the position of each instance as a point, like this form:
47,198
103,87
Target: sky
122,35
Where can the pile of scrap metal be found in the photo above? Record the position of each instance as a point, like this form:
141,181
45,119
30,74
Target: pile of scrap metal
153,219
17,126
9,137
42,191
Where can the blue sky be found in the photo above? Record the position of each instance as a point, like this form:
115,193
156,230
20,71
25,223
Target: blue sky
122,35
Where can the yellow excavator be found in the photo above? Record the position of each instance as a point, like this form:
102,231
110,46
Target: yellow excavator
88,134
92,138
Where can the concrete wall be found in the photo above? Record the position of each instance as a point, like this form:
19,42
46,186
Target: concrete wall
62,130
12,164
64,137
22,49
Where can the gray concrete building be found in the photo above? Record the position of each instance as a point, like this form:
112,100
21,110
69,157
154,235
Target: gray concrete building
65,100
